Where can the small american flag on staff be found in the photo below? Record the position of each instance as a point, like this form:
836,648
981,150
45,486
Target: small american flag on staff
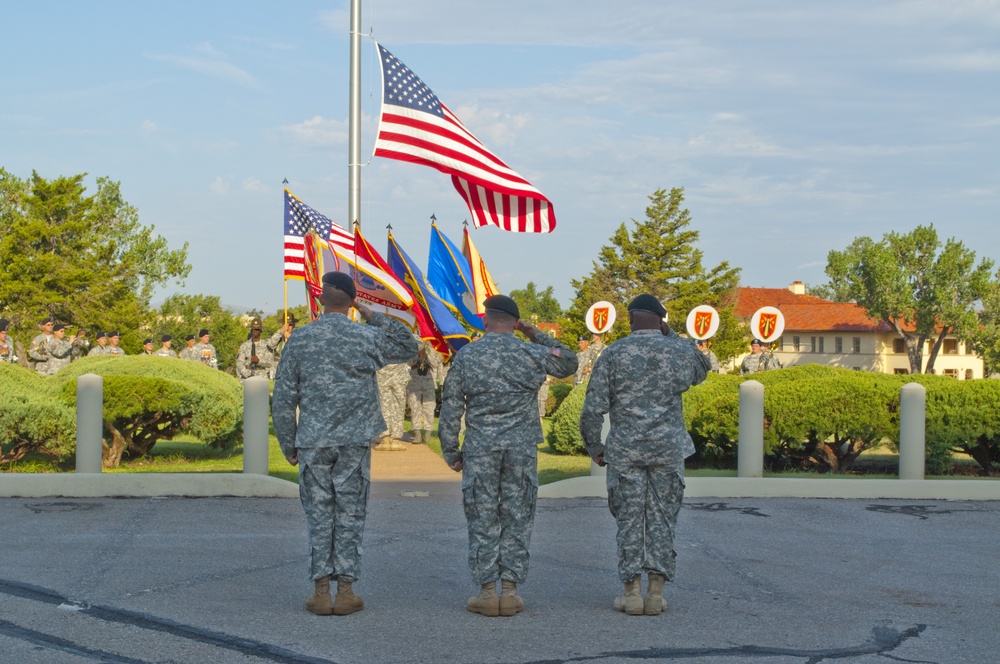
299,220
415,126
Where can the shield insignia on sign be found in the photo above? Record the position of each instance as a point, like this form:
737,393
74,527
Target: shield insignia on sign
766,325
600,317
702,322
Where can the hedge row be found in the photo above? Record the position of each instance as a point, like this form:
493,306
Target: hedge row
823,418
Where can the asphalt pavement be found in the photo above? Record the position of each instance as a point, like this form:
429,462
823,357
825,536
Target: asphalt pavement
772,580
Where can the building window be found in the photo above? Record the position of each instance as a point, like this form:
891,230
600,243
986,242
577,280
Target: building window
781,343
950,347
857,345
900,372
812,344
968,374
899,346
951,373
821,344
796,344
838,344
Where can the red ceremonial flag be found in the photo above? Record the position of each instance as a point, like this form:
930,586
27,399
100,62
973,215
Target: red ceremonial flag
415,126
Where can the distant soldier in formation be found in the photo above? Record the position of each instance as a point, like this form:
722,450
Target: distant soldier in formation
495,382
324,417
189,353
587,357
392,380
639,381
421,392
166,341
81,346
101,339
147,347
702,345
8,353
60,350
113,348
759,359
38,352
204,351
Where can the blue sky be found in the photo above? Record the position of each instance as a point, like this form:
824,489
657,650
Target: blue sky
793,127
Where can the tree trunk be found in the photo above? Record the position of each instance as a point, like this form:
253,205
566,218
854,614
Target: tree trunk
112,454
935,348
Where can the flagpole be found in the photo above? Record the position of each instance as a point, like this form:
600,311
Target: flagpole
354,120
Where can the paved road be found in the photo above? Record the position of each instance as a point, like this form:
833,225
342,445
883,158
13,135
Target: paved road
759,580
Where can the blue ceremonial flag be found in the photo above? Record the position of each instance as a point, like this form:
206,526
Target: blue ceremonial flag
449,275
424,295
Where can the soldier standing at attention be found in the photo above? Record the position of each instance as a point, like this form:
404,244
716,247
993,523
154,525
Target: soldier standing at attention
204,351
587,356
60,350
707,352
38,352
188,353
113,348
7,353
392,382
101,338
421,394
495,382
166,341
639,381
147,347
759,359
327,373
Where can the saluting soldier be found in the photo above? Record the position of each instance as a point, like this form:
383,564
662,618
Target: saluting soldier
166,341
324,417
7,348
38,352
60,350
204,351
101,338
494,382
639,381
188,352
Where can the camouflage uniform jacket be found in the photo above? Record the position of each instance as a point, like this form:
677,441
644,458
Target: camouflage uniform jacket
188,354
205,353
587,359
760,362
495,382
7,350
114,350
165,352
639,380
327,370
98,350
38,353
60,355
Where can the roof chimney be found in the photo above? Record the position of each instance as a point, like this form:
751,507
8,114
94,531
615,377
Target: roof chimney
797,287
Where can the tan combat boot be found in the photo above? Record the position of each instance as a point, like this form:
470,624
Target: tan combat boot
655,604
630,601
396,445
486,602
319,603
510,602
346,602
384,445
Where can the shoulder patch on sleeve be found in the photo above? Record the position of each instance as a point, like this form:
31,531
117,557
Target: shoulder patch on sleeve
557,351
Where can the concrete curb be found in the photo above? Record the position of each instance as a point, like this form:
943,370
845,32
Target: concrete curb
755,487
108,485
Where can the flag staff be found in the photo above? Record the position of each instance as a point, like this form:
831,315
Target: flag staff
354,120
284,183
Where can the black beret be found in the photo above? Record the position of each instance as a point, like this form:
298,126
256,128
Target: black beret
147,341
114,334
101,335
341,281
202,332
46,321
190,337
58,326
503,304
647,303
3,324
166,337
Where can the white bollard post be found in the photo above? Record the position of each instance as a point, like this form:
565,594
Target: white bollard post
750,446
596,470
256,407
89,423
912,431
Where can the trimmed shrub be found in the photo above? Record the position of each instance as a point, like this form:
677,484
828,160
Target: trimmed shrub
564,434
31,420
557,394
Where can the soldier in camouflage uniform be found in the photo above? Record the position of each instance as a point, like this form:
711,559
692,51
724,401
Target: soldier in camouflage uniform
38,351
81,346
8,353
188,353
113,348
421,392
703,348
166,341
495,382
257,358
639,381
587,358
392,380
60,350
759,359
324,416
204,351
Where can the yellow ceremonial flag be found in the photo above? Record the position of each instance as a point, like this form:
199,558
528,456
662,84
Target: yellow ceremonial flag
481,279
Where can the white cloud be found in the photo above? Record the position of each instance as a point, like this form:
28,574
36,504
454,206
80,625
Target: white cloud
255,185
149,125
205,59
492,126
318,132
220,187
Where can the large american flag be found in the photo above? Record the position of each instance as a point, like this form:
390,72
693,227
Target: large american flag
416,127
299,220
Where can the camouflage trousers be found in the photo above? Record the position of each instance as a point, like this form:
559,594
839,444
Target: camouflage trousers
543,396
333,487
645,501
392,398
499,490
421,402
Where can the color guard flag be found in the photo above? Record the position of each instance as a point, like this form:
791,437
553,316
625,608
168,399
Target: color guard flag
300,219
482,282
415,126
449,275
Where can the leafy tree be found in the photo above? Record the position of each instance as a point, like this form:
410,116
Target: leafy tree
84,260
923,290
181,315
537,306
658,256
986,337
